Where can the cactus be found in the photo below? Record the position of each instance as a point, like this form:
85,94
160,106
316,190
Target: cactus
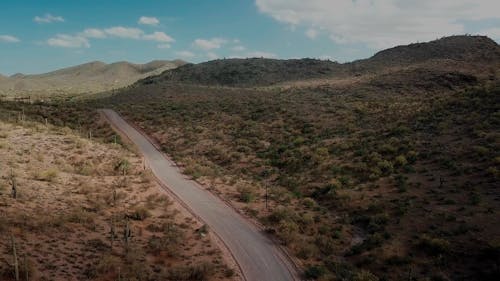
127,234
112,232
15,260
114,196
13,184
27,276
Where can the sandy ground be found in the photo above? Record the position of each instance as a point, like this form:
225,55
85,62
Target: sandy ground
70,194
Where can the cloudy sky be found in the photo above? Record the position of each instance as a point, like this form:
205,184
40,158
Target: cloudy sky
38,36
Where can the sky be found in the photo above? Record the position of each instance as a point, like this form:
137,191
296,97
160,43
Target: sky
38,36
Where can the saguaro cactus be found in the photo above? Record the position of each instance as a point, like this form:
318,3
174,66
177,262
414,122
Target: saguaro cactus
127,234
15,261
114,196
13,184
112,232
26,271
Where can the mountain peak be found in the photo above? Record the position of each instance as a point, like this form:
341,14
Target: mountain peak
459,47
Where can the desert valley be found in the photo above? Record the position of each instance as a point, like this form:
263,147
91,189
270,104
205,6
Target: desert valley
254,168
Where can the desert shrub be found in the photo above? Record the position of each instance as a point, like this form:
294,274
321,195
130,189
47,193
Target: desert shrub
135,267
411,156
247,192
191,273
305,250
385,167
314,272
434,246
481,151
169,242
139,213
122,166
288,231
229,272
373,241
493,171
279,214
107,264
80,216
308,202
325,244
85,169
364,275
388,149
400,161
401,182
97,245
398,260
49,175
474,198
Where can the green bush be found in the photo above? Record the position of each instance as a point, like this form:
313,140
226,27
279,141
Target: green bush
385,167
400,161
314,272
247,192
364,275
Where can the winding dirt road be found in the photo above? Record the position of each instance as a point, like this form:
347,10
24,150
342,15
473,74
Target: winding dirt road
258,257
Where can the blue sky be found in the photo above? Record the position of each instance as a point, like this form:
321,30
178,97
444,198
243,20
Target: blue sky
38,36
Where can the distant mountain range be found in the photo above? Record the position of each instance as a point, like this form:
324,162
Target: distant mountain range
86,78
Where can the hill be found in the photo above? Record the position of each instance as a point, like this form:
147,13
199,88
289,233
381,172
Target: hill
86,78
264,72
247,72
388,171
384,167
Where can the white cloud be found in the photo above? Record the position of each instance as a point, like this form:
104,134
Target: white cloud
124,32
158,37
48,18
93,33
164,46
212,56
81,39
9,39
185,54
312,33
259,54
384,23
209,44
494,33
148,21
238,48
68,41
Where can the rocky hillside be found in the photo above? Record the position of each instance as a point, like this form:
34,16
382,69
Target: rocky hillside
247,72
453,50
86,78
478,49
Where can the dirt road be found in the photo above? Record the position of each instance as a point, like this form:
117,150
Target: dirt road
259,258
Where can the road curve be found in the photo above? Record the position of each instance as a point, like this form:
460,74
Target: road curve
258,257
